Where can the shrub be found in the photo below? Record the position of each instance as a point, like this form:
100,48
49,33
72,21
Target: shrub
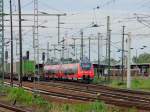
38,100
3,89
20,95
91,107
98,107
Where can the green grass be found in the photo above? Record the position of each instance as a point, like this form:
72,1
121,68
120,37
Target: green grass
22,97
99,80
92,107
138,83
143,84
3,89
117,84
88,107
27,99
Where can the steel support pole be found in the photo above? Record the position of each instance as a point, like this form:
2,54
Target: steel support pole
122,66
36,40
109,55
48,57
82,45
136,56
107,36
58,29
74,46
63,48
129,62
34,50
11,29
98,58
107,39
20,42
3,42
90,48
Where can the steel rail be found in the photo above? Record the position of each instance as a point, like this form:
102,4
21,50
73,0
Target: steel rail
13,108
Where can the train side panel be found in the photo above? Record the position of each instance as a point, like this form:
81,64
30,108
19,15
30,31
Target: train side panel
69,71
52,71
29,68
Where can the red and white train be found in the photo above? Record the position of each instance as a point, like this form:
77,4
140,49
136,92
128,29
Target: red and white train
77,71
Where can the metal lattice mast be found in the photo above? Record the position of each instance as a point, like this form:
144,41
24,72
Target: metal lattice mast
1,39
35,28
36,38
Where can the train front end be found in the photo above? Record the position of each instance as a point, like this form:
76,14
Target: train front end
86,71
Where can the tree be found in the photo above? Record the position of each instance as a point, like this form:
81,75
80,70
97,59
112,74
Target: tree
142,58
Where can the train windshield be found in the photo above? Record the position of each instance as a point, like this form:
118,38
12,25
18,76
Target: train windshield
86,66
85,63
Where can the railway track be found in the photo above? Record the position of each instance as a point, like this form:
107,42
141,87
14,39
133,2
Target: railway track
102,92
11,108
143,98
90,93
129,96
99,88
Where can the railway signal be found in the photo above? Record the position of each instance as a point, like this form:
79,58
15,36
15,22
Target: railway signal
43,57
27,55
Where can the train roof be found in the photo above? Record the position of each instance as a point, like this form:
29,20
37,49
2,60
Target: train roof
62,64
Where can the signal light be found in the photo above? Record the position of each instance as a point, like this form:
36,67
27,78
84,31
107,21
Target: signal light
27,55
6,55
43,56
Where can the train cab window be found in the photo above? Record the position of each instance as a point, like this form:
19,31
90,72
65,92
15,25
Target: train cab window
86,66
85,63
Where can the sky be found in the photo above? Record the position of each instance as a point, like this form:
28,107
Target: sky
80,14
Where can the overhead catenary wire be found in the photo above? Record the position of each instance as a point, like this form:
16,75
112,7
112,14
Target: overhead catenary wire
50,7
112,24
